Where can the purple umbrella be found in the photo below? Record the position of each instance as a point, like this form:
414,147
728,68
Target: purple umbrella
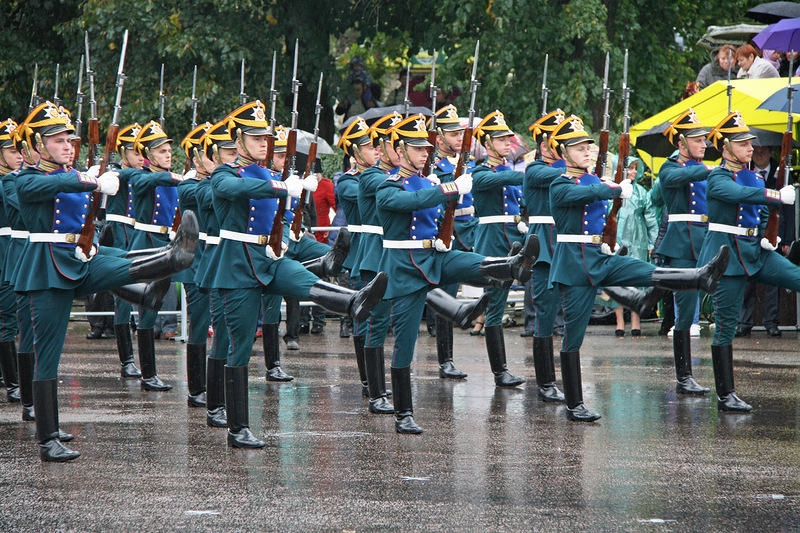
783,36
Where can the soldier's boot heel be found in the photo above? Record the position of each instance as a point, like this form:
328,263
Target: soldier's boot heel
496,348
544,366
449,308
344,301
148,295
573,388
637,300
215,394
727,400
271,341
128,369
196,374
330,264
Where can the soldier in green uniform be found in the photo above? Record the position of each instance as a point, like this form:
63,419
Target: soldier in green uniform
539,174
498,197
52,270
416,261
581,262
738,210
243,266
683,185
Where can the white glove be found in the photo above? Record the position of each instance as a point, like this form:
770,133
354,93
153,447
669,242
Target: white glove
108,183
272,255
522,228
627,189
434,179
302,234
464,184
310,184
190,175
788,195
294,186
765,244
80,255
440,247
606,249
93,171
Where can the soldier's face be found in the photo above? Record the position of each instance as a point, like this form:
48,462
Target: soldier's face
502,145
256,146
369,154
12,157
417,155
134,158
392,156
741,150
59,147
452,141
162,155
580,155
227,155
695,147
279,160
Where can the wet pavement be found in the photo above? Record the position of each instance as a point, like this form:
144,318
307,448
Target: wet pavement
489,460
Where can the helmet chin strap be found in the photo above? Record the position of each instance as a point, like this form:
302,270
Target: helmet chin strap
240,138
215,150
357,154
567,158
27,153
490,146
42,150
731,155
200,165
402,144
440,132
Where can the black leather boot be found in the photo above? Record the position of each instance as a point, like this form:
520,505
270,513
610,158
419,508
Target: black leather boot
403,405
450,308
682,349
196,374
147,295
8,362
215,394
573,388
26,366
515,267
722,357
330,264
125,348
344,301
165,262
638,301
45,399
147,360
444,349
703,279
544,366
238,409
376,380
358,347
271,340
496,348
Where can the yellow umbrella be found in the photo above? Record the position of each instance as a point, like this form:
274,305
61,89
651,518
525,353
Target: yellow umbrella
711,106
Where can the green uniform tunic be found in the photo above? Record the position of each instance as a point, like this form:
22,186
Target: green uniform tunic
8,300
11,260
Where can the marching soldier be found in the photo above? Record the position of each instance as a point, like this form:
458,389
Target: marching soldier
738,206
409,206
683,186
582,262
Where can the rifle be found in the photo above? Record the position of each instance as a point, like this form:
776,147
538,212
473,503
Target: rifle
729,88
273,99
56,99
161,97
86,237
242,95
623,161
785,165
297,221
94,125
446,228
431,162
34,89
545,90
78,121
194,119
602,155
276,236
406,101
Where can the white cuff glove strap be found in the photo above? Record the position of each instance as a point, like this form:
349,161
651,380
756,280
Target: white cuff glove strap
788,195
440,247
522,228
765,244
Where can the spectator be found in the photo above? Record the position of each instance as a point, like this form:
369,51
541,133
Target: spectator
717,69
325,201
751,66
359,99
783,68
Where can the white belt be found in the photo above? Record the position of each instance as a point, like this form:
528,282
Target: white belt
465,211
377,230
541,220
19,234
733,230
685,217
120,218
583,239
424,244
499,219
354,228
62,238
5,232
202,236
243,237
152,228
212,239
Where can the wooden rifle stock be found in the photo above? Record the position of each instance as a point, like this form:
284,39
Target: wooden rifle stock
601,154
276,235
446,227
610,231
270,151
94,140
771,233
76,159
86,238
431,153
297,221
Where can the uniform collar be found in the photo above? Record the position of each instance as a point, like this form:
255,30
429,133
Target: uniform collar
406,172
155,168
575,172
733,166
360,167
244,161
548,160
45,166
4,170
383,165
494,161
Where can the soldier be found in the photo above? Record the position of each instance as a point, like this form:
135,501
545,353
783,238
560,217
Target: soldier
539,174
120,219
582,262
53,271
738,206
243,268
498,194
409,206
683,185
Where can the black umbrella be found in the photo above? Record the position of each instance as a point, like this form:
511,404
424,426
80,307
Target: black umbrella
768,138
656,144
772,12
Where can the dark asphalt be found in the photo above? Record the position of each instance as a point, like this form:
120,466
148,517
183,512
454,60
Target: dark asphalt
489,460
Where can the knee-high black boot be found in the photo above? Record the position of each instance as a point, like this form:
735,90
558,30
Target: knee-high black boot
682,350
496,348
544,366
444,349
45,400
125,348
26,365
515,267
147,360
448,307
343,301
271,340
238,409
573,388
215,394
148,295
376,380
196,374
330,264
403,404
722,357
358,347
8,362
638,301
177,256
703,279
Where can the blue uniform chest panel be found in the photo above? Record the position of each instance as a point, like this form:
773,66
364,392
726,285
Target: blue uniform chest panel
558,164
465,201
261,213
165,206
697,192
423,221
70,210
512,195
749,215
593,221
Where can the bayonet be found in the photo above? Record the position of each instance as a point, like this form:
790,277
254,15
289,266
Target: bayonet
194,98
242,95
406,101
94,125
297,222
473,91
162,98
318,109
434,91
295,93
545,90
273,94
34,89
626,98
56,99
602,156
78,120
729,88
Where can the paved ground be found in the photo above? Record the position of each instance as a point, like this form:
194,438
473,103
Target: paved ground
489,460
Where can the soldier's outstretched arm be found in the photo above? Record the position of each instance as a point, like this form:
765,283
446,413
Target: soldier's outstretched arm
37,187
143,181
563,192
673,176
234,188
484,178
725,189
393,198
